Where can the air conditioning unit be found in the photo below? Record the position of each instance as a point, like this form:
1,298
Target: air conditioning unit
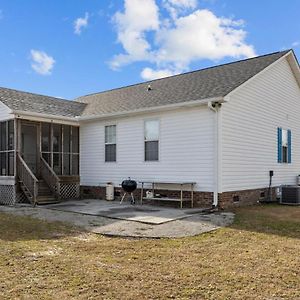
290,194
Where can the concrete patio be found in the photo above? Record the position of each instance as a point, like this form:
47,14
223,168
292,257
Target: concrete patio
114,219
147,214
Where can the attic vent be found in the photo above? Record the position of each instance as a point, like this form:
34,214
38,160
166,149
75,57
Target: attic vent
149,88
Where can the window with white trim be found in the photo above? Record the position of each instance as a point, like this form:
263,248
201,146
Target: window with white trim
111,143
284,139
152,140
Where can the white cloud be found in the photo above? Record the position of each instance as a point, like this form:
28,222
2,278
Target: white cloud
42,63
183,3
201,35
177,7
172,44
295,44
138,18
150,74
81,23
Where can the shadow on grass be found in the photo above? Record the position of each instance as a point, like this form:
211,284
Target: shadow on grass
281,220
20,228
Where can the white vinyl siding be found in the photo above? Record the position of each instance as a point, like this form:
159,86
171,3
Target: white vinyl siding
4,112
185,149
250,119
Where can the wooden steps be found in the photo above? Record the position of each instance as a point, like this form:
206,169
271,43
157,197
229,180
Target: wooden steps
45,195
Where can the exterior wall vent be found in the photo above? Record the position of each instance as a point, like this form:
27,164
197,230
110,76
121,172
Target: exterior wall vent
236,198
262,195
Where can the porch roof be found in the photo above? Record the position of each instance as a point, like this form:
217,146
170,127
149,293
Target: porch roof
24,101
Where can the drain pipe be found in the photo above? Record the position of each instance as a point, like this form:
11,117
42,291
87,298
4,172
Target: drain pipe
215,106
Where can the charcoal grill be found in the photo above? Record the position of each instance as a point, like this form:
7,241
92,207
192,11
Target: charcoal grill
128,186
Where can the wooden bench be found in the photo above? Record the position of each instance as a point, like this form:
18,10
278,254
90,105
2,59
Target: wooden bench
154,185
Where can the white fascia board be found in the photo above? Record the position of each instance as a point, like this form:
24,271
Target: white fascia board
227,97
151,109
292,60
45,117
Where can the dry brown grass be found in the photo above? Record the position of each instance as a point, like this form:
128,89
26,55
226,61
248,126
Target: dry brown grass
256,258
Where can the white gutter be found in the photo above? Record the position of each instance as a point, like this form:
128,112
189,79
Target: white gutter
151,109
215,107
19,113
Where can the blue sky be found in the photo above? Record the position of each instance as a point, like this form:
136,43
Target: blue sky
75,47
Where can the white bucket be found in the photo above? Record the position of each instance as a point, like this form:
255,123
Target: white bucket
110,192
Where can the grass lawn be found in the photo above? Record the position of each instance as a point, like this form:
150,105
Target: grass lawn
258,257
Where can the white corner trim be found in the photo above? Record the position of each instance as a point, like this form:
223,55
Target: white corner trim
217,151
292,60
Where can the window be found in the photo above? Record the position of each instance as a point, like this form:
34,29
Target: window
60,148
110,143
151,140
284,138
7,148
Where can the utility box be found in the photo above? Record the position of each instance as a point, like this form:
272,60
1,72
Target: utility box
290,194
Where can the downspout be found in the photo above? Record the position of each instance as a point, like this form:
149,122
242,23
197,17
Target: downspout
215,107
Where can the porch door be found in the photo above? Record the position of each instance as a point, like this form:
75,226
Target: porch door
29,145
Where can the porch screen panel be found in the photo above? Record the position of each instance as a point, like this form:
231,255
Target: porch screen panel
75,164
46,143
75,151
66,149
60,148
4,145
7,148
57,135
57,163
66,164
57,149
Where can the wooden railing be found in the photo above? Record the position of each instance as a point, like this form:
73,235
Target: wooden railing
50,178
28,178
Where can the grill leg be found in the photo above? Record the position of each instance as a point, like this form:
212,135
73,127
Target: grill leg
132,199
123,198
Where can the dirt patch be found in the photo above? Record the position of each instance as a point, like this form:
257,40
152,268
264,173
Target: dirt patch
249,260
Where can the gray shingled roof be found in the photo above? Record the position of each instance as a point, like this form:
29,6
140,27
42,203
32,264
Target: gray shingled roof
207,83
211,82
23,101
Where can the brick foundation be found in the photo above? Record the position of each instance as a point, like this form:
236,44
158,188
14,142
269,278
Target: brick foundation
201,199
244,197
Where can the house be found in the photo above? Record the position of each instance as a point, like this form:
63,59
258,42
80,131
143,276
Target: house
224,128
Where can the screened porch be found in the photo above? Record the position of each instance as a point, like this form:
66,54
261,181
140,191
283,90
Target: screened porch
39,162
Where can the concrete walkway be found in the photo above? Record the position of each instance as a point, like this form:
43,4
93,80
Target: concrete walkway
178,223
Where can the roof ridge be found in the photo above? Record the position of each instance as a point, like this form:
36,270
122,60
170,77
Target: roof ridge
181,74
36,94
